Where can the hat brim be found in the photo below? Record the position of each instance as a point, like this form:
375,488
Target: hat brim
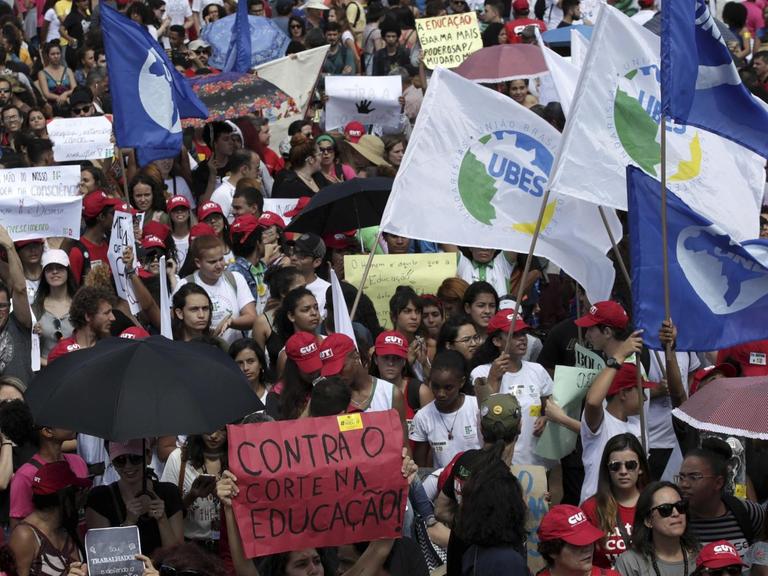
333,367
721,563
388,350
587,534
310,365
368,155
586,321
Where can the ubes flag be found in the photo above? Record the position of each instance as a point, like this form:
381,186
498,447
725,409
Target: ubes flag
149,97
718,287
614,122
474,174
701,84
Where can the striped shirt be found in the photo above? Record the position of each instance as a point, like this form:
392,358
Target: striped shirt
727,528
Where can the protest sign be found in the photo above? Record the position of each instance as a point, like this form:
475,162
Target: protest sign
586,358
280,206
365,99
318,481
447,40
112,551
423,272
122,236
40,202
533,481
165,303
81,138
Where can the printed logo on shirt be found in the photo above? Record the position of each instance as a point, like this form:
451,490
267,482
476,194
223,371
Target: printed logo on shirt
757,359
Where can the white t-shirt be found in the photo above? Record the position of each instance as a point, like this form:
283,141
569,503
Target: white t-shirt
200,5
661,434
593,444
223,197
54,25
382,396
182,247
177,186
431,425
177,11
497,272
528,385
318,287
197,521
225,300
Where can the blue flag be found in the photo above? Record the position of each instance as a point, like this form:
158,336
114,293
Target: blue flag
700,85
239,53
149,97
718,287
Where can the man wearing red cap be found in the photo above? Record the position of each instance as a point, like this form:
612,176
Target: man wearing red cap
719,558
520,11
245,234
752,357
15,328
91,249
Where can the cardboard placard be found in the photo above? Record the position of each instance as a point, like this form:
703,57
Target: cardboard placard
365,99
112,551
423,272
446,41
533,480
81,138
122,236
317,482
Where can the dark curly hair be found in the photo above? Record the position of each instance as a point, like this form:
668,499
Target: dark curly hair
16,422
158,200
296,392
86,302
189,557
279,280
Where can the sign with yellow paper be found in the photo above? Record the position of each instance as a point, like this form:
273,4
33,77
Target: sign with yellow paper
447,40
533,481
423,272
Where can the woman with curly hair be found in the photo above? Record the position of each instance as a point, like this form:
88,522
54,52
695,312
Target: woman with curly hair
146,195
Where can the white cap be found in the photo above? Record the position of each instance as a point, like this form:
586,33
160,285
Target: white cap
507,304
316,4
55,256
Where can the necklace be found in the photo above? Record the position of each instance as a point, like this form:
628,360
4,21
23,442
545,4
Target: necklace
308,181
685,562
449,430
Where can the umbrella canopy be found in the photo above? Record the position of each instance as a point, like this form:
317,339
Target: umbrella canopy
503,63
734,406
559,37
348,205
268,42
232,95
123,389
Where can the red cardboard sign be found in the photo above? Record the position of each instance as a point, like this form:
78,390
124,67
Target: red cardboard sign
318,481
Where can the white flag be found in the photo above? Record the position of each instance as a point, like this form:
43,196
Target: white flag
565,76
165,303
614,122
474,175
579,48
342,323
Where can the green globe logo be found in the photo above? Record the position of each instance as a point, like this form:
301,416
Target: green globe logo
636,115
502,177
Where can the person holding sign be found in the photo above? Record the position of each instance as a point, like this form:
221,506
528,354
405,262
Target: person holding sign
91,249
15,344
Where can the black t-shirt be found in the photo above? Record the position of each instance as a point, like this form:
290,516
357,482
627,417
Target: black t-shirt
559,345
107,501
74,25
460,473
289,185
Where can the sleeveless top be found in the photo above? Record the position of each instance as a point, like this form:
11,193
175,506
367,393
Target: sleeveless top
57,86
50,561
382,396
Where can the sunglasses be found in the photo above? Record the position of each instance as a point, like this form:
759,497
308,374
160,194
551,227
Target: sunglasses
325,150
57,326
166,570
665,510
81,109
732,570
298,26
151,255
630,465
124,459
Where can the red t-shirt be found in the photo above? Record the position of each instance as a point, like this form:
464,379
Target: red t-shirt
63,346
606,551
515,28
274,162
97,254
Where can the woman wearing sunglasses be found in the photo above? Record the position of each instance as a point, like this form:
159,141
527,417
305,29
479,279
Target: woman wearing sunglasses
330,164
156,511
662,543
622,475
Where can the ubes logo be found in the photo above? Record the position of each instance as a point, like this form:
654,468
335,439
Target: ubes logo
577,518
503,176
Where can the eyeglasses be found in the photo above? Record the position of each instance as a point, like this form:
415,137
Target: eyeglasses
124,459
665,510
732,570
468,339
81,109
630,465
325,149
166,570
693,477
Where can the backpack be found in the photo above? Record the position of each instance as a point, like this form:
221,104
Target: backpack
740,512
86,258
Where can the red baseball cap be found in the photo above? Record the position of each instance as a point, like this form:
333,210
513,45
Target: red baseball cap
626,377
520,6
391,343
302,348
98,201
177,201
333,352
151,241
207,209
244,225
503,321
570,524
718,555
127,208
134,333
751,356
607,312
155,228
340,241
354,131
303,201
22,243
55,476
201,229
268,219
727,369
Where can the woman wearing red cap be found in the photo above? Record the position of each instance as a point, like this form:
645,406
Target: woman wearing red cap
508,373
719,559
302,367
567,543
298,313
180,213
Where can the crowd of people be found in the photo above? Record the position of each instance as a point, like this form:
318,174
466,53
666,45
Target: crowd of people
471,380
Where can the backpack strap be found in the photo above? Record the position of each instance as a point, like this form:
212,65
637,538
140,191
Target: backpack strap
34,462
412,393
230,278
741,513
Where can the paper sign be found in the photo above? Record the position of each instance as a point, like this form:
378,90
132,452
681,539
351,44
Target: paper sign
81,138
586,358
364,99
40,202
533,481
112,551
280,206
447,40
122,236
165,303
423,272
318,482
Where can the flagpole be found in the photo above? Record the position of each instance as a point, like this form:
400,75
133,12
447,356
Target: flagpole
664,235
365,276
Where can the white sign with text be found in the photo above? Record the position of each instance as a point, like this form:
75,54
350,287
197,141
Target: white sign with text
364,99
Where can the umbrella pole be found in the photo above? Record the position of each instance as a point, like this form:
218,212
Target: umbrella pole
365,276
144,461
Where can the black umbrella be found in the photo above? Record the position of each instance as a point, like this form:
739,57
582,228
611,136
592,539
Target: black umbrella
345,206
123,389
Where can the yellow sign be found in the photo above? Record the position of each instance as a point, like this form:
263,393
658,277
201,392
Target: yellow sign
349,422
423,272
447,40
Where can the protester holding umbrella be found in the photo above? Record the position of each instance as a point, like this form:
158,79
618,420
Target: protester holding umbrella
157,510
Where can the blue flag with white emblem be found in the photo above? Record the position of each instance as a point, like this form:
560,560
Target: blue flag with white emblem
149,97
700,85
718,287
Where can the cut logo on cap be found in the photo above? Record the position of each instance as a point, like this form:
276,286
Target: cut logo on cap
577,518
325,354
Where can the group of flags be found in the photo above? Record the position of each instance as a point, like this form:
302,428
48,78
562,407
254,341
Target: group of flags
478,164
